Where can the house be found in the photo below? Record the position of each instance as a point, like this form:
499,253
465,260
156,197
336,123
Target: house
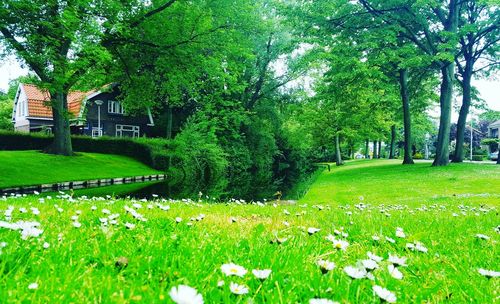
94,113
494,132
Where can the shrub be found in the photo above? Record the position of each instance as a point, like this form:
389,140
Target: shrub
477,157
418,155
148,151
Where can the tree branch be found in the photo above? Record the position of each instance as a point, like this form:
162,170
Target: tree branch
151,13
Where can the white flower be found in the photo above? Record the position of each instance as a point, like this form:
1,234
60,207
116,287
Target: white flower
238,289
322,301
93,208
390,240
369,264
374,257
326,265
286,223
420,247
233,269
384,294
489,273
46,245
261,274
340,244
30,232
178,219
400,233
355,272
394,271
33,286
77,224
312,230
394,259
376,238
106,211
482,236
129,226
183,294
220,283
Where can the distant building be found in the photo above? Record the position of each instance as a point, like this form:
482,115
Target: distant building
494,132
32,113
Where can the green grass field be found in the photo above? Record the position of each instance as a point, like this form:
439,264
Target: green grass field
21,168
92,262
387,181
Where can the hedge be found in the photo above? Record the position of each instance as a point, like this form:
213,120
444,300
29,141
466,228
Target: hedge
151,152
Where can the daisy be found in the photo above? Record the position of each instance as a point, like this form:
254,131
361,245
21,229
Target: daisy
399,261
312,230
374,257
394,271
482,236
77,224
420,247
390,240
355,272
261,274
183,294
178,219
369,264
400,233
233,269
46,245
33,286
384,294
238,289
376,238
129,226
325,265
220,283
489,273
340,244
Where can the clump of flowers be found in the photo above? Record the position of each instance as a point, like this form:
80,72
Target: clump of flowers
238,289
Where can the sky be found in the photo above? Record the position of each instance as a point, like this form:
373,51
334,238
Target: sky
488,88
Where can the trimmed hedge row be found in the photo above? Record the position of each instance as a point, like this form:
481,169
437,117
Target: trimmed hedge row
151,152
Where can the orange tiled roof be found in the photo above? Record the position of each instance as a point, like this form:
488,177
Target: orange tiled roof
39,101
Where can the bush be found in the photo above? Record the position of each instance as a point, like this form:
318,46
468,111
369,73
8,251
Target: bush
477,157
418,155
148,151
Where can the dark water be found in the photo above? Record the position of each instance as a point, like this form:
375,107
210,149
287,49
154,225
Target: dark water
147,190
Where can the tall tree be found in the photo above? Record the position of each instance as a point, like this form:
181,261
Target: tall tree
62,42
432,26
479,48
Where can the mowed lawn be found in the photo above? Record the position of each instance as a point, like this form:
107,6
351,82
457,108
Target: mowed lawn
21,168
387,181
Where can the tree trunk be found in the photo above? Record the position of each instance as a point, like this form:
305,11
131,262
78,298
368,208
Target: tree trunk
405,98
458,156
169,122
338,156
443,139
393,141
62,133
367,149
498,161
379,154
374,149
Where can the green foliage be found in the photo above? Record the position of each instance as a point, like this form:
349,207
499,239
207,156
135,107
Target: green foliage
5,112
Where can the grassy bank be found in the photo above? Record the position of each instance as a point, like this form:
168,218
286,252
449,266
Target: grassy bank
82,258
20,168
384,181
